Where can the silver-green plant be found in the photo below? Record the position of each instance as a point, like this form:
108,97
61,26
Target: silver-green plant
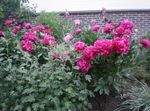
137,98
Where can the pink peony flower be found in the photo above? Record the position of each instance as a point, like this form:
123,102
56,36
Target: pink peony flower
108,28
95,28
127,24
27,45
127,31
17,28
47,31
31,36
77,22
113,33
120,30
8,22
2,33
77,31
38,28
103,47
68,38
27,26
83,65
49,40
145,43
121,45
89,53
79,46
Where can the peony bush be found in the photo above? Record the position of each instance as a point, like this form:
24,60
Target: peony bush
104,53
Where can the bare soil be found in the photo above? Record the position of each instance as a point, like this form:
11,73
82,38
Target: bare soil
106,103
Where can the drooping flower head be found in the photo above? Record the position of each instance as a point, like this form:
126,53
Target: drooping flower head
79,46
121,45
145,43
103,47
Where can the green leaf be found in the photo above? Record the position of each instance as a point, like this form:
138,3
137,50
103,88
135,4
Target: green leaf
106,90
28,109
35,106
88,78
27,99
97,88
28,91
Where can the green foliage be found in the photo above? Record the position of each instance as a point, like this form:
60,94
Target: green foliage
137,98
108,73
58,25
1,12
28,85
14,8
26,12
142,67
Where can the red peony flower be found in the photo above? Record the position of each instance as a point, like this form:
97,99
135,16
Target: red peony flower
145,43
121,45
47,31
127,31
108,28
103,47
38,28
83,65
89,53
2,33
27,26
9,22
120,30
95,28
127,24
27,45
77,31
79,46
17,28
49,40
31,36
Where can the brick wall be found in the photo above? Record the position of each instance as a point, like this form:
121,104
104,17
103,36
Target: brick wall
140,17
